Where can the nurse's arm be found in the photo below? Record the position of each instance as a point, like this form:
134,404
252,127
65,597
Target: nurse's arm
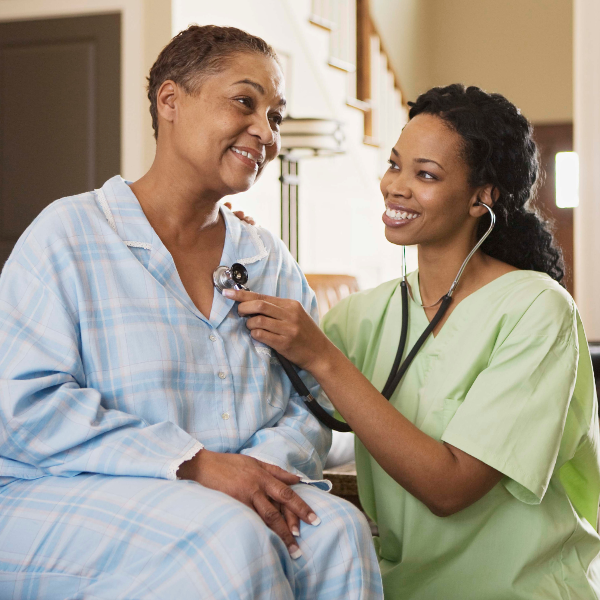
441,476
444,478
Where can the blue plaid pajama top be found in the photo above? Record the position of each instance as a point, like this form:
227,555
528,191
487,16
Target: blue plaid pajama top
106,365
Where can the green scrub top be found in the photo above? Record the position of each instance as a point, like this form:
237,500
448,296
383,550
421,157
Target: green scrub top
508,380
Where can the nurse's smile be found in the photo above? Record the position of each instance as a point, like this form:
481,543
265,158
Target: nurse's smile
398,216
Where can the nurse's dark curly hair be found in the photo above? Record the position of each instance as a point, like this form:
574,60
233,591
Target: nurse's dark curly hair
499,149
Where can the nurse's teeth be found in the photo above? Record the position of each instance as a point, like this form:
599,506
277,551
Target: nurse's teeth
400,216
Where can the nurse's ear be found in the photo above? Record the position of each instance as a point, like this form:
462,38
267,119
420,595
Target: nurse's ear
487,194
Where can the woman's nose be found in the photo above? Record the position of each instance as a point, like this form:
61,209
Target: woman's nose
261,128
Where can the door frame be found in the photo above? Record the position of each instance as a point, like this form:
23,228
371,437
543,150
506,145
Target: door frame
552,138
145,30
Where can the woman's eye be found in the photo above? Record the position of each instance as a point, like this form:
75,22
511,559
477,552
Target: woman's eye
426,175
392,164
247,102
277,119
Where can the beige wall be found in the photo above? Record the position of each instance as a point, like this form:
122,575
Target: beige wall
402,25
521,48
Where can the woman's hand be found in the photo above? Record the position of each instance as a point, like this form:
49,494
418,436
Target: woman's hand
240,214
260,486
285,326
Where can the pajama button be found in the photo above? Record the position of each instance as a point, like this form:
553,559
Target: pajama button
225,416
222,375
212,338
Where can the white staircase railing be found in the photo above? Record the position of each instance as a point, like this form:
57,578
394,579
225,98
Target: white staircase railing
355,46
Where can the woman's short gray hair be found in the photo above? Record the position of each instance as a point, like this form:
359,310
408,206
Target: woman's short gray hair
196,52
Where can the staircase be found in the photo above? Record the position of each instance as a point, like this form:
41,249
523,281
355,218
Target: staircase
335,67
355,47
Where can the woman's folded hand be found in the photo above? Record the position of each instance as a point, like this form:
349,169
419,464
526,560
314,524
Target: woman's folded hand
285,326
260,486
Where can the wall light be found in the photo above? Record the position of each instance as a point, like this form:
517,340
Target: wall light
567,180
318,137
302,138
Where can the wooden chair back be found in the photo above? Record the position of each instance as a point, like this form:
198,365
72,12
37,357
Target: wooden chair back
330,289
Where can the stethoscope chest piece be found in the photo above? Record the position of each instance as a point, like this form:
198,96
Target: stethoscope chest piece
230,278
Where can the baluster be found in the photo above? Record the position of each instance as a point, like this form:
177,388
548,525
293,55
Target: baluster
383,106
375,89
336,34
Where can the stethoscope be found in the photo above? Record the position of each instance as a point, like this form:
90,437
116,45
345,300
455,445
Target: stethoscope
236,277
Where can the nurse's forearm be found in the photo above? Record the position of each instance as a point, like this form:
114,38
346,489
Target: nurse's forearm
444,478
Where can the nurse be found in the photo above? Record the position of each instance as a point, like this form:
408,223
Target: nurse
482,472
148,448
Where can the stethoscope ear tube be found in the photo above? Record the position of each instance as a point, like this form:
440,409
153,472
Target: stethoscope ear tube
399,368
393,382
388,390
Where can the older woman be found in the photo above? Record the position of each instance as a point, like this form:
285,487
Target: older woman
148,446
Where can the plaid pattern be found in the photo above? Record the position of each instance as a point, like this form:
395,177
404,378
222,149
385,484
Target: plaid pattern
138,538
106,365
108,369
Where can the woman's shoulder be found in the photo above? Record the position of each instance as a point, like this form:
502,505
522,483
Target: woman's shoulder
62,219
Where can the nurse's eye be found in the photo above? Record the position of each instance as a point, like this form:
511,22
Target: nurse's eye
427,175
393,165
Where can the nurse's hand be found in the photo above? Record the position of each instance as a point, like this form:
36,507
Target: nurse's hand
285,326
240,214
262,487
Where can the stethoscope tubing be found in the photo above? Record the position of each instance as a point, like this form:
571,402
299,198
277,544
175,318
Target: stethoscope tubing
223,278
311,402
397,372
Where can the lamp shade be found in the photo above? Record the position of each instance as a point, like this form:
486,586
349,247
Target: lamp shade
317,136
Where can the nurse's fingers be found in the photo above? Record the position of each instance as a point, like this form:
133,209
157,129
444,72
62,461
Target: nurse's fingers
240,214
247,296
277,342
261,307
276,326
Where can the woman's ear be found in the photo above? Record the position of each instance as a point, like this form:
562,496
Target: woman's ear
166,98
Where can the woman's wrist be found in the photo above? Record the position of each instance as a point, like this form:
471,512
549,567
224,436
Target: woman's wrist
189,469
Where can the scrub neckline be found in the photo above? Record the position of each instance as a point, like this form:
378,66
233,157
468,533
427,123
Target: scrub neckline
416,292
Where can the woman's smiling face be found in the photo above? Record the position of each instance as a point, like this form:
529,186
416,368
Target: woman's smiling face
228,131
426,188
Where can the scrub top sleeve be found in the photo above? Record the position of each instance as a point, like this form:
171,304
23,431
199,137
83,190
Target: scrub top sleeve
514,415
334,324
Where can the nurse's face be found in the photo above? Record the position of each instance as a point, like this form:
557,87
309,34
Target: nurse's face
226,132
426,188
